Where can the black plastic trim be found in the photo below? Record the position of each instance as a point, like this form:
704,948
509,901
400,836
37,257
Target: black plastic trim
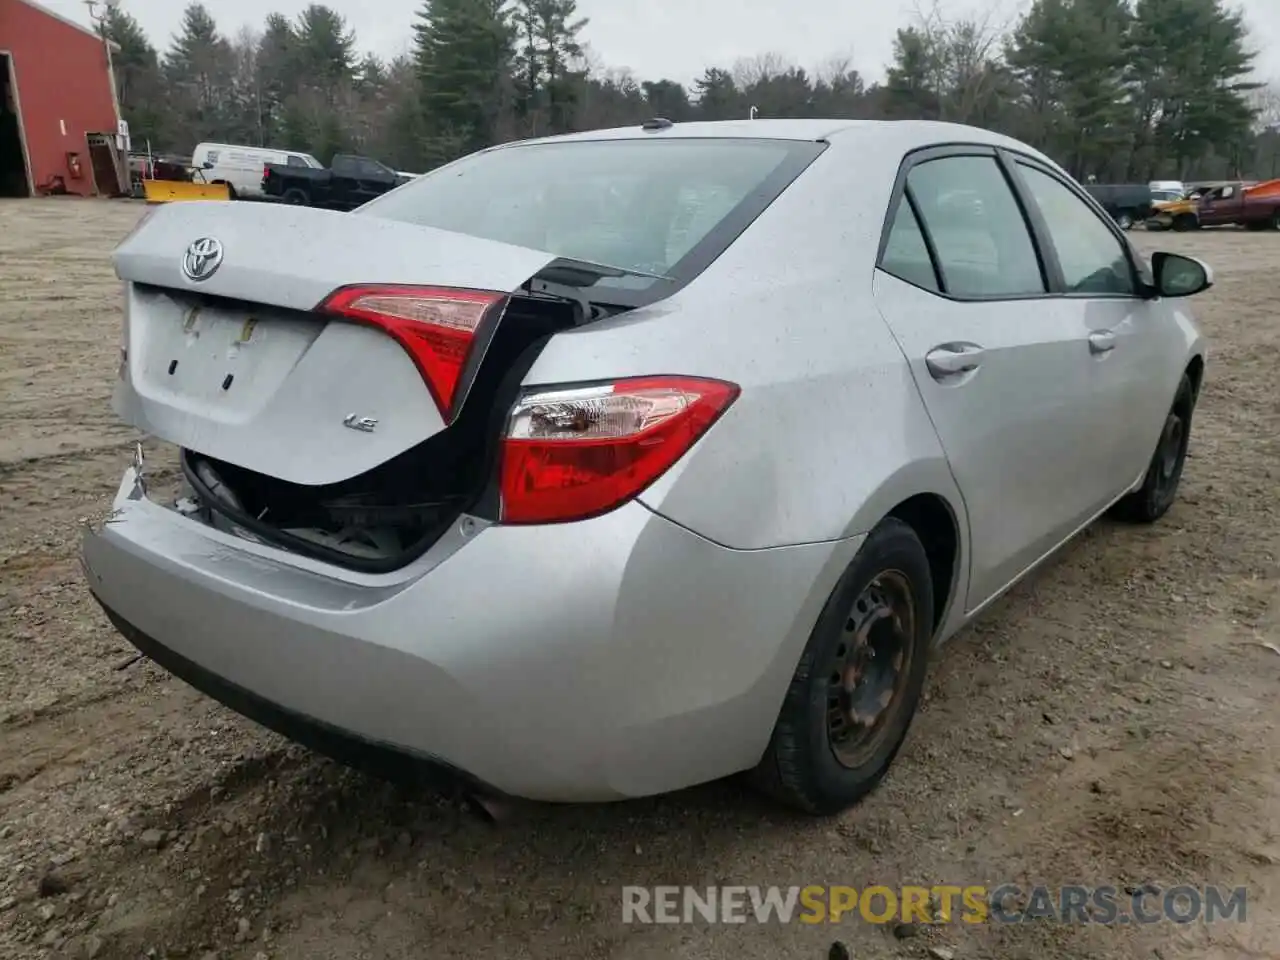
375,757
488,505
1033,216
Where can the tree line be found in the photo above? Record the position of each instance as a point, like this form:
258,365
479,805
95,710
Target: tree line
1112,89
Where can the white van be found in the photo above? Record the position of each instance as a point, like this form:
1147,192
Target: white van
240,167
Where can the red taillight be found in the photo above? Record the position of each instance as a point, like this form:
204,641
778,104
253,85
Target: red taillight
435,325
574,453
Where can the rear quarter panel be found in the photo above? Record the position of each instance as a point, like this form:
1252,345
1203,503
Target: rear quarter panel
829,432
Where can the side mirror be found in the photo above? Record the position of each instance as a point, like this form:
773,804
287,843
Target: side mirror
207,165
1179,276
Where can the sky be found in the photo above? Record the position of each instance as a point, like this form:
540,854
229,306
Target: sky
666,38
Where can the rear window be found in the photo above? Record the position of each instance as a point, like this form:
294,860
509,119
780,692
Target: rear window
658,207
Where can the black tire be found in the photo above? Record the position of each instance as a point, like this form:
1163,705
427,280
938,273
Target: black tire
1124,220
1275,219
296,196
231,191
1184,222
1159,487
806,765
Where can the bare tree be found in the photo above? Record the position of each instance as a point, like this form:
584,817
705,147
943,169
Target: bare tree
964,58
750,71
1265,101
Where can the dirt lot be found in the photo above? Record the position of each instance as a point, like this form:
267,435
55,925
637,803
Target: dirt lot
1113,721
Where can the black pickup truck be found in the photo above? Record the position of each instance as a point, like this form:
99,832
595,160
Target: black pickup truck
1127,203
345,185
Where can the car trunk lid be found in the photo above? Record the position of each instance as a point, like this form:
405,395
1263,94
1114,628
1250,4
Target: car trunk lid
238,364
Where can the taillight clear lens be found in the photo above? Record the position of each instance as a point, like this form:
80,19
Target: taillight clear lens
575,453
435,325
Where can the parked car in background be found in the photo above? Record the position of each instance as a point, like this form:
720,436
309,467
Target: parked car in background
240,167
1184,213
1254,206
345,185
603,465
1127,203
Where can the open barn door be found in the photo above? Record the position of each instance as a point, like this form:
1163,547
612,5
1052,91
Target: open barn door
15,171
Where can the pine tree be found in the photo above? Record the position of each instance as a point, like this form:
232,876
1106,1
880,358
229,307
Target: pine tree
718,96
199,69
1190,70
1073,54
324,52
137,71
277,77
464,54
549,74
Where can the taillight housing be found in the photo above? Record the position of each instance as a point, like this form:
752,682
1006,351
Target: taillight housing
437,327
577,452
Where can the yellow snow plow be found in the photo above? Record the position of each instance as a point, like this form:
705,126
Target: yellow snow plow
168,191
193,188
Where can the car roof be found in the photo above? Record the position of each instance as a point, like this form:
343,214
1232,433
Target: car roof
900,136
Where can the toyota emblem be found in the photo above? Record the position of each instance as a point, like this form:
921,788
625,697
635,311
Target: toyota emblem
202,259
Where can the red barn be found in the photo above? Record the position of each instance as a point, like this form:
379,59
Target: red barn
59,121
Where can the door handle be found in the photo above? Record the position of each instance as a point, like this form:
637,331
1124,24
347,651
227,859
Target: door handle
953,359
1102,341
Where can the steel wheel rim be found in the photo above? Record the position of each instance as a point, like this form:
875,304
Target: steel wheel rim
868,674
1170,449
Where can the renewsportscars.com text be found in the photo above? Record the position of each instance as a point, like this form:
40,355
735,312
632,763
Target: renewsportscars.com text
1007,903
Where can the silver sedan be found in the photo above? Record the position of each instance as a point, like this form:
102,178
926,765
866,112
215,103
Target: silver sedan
602,465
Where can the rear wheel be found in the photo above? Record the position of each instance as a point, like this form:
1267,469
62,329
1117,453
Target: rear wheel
1159,488
1125,221
1185,221
296,196
858,682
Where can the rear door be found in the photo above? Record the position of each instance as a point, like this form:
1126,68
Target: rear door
1001,364
373,179
344,183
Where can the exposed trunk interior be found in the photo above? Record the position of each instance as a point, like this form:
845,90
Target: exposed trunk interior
383,519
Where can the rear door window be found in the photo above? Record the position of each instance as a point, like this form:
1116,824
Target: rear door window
978,230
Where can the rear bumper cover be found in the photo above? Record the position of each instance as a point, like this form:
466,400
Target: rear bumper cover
392,762
622,656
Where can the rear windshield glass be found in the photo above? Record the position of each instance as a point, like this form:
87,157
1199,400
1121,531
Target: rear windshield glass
658,207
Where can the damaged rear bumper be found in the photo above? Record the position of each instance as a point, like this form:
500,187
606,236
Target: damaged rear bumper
397,763
618,657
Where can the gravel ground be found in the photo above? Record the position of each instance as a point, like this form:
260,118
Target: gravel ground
1112,721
